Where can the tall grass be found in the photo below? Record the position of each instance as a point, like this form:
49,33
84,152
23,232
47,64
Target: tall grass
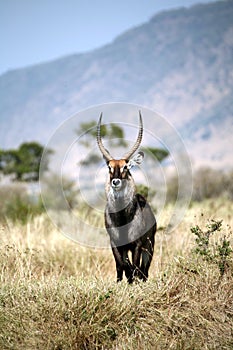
56,294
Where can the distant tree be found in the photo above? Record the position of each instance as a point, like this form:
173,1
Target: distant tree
116,137
23,163
113,132
159,153
88,132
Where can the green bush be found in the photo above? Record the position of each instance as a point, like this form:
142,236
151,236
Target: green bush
218,253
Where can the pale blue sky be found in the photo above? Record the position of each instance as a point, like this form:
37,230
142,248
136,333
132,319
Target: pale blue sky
34,31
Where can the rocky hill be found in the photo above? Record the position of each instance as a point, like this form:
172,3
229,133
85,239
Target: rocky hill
179,63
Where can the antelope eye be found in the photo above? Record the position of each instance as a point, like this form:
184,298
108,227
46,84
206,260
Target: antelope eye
125,167
110,168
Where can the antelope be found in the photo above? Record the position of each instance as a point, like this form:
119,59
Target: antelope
129,220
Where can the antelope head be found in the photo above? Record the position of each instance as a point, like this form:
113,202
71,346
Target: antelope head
119,169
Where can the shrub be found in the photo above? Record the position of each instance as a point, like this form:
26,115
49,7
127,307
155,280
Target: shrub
207,183
17,204
218,253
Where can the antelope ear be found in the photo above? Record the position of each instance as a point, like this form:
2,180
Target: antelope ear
136,160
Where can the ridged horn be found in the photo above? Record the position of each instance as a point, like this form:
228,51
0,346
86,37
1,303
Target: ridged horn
138,141
103,150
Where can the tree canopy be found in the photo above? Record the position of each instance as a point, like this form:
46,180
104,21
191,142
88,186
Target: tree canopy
159,153
116,138
22,163
113,132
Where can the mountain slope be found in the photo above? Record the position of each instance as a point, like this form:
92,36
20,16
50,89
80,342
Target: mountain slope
179,63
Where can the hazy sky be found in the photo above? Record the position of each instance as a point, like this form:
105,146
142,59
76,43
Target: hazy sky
33,31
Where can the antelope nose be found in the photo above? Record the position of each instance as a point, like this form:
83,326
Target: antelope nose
116,182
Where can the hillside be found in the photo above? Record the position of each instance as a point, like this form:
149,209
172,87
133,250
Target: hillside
178,63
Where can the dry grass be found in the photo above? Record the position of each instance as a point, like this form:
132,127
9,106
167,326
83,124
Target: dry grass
57,295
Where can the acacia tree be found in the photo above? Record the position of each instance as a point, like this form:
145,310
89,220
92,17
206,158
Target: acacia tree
113,132
116,138
159,153
22,163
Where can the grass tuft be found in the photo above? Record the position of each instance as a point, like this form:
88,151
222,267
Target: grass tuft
56,294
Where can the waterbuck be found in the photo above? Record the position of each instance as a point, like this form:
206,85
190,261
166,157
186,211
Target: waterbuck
129,220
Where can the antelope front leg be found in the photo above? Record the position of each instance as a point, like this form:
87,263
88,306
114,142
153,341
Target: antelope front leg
122,263
129,270
136,255
119,263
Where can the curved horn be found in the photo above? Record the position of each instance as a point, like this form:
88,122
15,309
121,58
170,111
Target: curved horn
139,139
103,150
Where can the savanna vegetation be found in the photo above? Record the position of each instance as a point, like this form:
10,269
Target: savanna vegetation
57,294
